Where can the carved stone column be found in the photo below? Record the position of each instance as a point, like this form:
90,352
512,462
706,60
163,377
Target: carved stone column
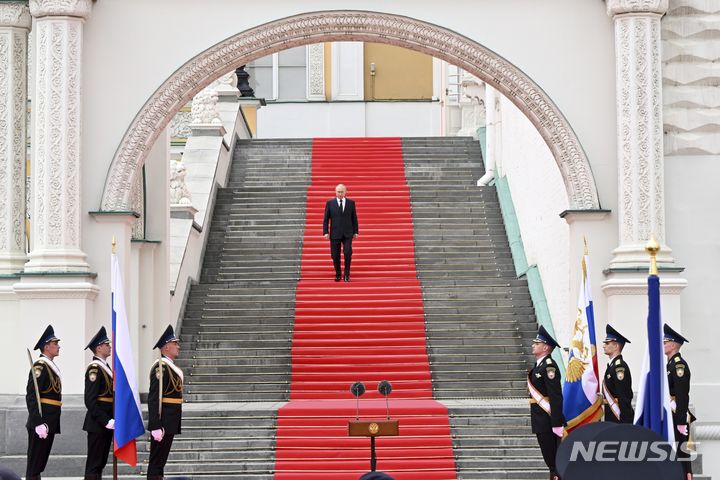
14,26
57,111
641,200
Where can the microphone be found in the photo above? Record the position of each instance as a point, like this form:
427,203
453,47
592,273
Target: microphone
385,388
357,389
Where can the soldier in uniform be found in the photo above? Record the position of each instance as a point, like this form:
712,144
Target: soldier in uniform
43,421
678,373
164,403
617,384
546,402
99,421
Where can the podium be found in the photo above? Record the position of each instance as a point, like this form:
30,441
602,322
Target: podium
372,429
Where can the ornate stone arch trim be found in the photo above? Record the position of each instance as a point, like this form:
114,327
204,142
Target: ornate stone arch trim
329,26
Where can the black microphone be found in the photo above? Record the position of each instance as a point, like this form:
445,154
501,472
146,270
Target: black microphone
385,388
357,389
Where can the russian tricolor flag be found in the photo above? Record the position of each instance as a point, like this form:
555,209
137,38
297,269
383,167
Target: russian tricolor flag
653,409
128,420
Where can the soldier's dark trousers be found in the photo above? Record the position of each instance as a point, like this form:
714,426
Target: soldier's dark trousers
159,452
549,443
38,453
98,451
683,457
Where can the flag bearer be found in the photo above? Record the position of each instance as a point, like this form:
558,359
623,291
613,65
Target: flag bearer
678,373
99,421
546,402
44,402
617,383
164,403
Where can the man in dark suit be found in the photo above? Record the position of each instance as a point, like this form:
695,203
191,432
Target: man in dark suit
546,400
617,383
678,373
164,403
43,421
99,421
340,225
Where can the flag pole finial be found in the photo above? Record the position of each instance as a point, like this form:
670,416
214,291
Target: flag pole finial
585,242
114,243
653,247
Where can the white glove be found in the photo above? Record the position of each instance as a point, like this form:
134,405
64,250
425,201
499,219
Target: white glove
558,431
158,434
683,429
110,424
42,431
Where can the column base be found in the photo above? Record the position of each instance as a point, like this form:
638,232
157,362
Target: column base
12,263
635,255
57,261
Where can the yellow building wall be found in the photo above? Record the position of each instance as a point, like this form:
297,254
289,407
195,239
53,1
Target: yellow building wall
328,70
400,74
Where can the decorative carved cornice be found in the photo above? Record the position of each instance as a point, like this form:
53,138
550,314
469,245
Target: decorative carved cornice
620,7
65,8
331,26
15,15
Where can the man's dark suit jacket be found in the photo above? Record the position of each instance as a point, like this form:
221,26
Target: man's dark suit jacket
342,224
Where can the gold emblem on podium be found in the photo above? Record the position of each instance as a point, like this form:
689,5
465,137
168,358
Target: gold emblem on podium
373,428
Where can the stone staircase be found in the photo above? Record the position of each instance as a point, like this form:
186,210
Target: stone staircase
479,316
238,322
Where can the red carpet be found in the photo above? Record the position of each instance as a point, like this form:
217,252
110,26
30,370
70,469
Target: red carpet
368,330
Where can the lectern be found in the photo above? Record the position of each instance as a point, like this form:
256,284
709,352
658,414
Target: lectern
373,428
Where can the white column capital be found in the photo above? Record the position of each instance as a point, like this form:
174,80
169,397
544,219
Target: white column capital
621,7
65,8
15,14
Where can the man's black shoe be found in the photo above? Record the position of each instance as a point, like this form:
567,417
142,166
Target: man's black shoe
347,278
337,278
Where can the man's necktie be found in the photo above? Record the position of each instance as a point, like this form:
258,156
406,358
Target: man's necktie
341,206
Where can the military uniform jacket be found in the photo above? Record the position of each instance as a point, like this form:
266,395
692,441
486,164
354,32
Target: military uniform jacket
619,382
679,382
50,388
172,389
98,395
545,377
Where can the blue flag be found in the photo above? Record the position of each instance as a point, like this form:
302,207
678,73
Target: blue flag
653,405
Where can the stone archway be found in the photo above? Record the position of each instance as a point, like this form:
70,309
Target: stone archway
329,26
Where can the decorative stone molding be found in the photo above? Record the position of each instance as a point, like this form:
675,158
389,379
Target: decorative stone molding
14,24
138,206
55,291
641,202
204,109
180,125
56,144
316,72
179,192
15,14
329,26
620,7
69,8
226,87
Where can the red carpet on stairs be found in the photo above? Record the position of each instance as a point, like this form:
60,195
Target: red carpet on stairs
368,330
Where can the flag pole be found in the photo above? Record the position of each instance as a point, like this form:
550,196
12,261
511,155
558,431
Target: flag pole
653,247
115,466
